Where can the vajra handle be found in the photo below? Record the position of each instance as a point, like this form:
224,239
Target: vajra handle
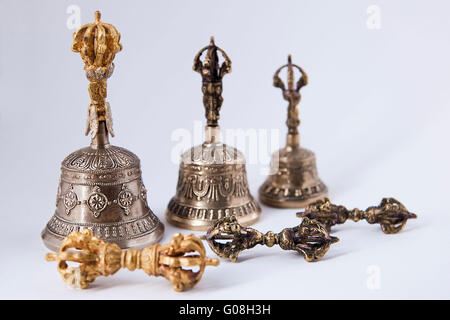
212,73
291,93
97,43
99,258
391,214
309,238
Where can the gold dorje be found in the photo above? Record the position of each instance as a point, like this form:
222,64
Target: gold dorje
98,258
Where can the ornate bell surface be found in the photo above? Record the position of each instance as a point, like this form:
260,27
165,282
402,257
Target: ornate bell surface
212,181
296,182
101,186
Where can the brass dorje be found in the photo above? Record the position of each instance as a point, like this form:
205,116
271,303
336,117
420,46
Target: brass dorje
390,214
212,181
295,182
98,258
227,238
101,186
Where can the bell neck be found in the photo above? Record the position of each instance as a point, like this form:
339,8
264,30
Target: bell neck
293,141
212,134
101,139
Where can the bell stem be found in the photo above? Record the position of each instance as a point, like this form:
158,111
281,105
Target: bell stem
212,134
101,139
293,140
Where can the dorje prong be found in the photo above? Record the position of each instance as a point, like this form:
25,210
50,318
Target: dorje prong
310,238
391,214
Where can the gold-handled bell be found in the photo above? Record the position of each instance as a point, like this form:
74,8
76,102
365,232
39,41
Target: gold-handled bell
101,186
295,182
212,181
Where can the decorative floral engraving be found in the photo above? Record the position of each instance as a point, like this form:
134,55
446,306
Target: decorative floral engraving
125,230
213,188
70,200
89,160
125,199
97,202
187,212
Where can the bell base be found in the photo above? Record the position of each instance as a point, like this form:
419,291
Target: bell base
286,198
289,203
53,240
296,183
194,218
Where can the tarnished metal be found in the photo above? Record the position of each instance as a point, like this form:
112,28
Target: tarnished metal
295,181
174,261
101,186
212,181
390,214
227,238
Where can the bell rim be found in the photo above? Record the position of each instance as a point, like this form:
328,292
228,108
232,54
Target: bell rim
53,241
289,202
204,224
173,220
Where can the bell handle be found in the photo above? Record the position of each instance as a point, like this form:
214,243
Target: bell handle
97,43
212,73
291,94
303,80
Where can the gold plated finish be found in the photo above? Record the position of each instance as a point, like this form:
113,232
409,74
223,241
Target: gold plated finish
97,43
295,182
390,214
212,181
227,238
101,186
98,258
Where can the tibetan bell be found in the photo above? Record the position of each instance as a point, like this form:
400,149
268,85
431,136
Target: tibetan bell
101,186
212,181
295,182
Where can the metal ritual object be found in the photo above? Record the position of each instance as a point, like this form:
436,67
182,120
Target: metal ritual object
212,181
295,181
227,238
101,186
98,258
391,214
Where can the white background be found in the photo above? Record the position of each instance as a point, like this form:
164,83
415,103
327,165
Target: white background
376,114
